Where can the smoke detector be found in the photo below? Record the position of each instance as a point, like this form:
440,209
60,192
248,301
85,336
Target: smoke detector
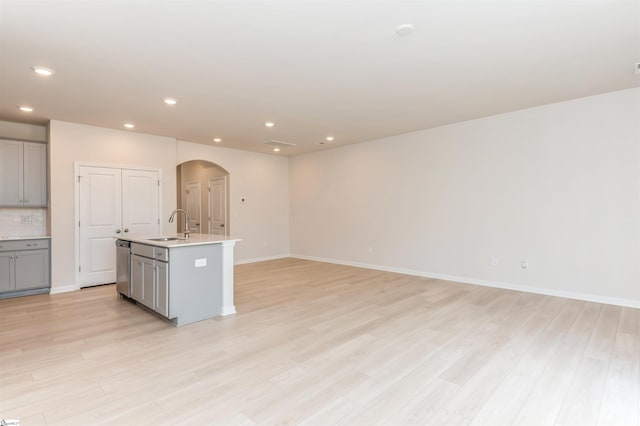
276,143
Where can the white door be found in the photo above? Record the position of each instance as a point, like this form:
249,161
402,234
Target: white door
140,202
194,204
100,223
218,206
113,202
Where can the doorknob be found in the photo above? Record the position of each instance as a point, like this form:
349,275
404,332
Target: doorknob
118,231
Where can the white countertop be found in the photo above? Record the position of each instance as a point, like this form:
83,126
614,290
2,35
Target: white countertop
194,239
30,237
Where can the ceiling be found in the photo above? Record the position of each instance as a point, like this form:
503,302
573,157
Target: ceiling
314,68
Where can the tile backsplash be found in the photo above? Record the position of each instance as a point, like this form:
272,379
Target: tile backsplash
22,222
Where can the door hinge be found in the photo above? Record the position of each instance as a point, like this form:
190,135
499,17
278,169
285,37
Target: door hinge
79,268
79,178
158,182
78,224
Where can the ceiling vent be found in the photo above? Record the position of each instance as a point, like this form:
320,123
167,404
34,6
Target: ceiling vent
274,142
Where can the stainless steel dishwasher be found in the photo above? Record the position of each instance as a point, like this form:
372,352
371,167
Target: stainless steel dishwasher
123,267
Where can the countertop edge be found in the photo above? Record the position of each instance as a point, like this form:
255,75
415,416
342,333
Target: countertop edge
31,237
192,241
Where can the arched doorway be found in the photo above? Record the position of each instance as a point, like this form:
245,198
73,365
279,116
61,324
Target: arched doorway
203,191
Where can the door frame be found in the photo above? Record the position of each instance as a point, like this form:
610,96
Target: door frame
76,203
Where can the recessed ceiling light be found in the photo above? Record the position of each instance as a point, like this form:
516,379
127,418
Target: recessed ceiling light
269,124
217,140
329,138
170,101
276,149
129,125
25,108
404,29
47,72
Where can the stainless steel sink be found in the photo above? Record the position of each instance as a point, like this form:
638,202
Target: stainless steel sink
167,239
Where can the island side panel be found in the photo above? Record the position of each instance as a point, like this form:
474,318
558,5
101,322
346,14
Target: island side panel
195,292
228,306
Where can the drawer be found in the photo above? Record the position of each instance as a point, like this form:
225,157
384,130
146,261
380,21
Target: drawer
142,250
13,245
162,254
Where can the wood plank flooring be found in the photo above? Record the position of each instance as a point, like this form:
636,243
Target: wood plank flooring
323,344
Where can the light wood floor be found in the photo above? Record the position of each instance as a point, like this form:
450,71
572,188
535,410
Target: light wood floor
322,344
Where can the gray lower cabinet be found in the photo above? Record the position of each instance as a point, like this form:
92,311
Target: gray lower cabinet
24,267
162,288
149,283
182,284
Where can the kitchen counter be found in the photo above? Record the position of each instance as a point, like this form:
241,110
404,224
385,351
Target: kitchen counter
183,280
31,237
194,239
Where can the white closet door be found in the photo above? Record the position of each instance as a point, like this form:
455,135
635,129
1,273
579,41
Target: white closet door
100,223
217,206
194,207
140,202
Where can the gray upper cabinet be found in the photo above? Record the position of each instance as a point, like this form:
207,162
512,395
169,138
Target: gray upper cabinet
23,174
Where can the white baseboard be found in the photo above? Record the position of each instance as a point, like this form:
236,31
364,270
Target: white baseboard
63,289
261,259
228,310
630,303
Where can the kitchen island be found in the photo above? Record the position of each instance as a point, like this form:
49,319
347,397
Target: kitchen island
183,280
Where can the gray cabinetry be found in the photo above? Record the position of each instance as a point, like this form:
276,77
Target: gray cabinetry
24,267
150,277
23,174
162,288
142,286
6,271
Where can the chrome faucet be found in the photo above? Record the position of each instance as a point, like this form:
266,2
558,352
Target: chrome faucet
186,220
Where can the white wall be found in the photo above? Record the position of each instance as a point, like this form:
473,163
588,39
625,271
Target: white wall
262,221
30,132
70,142
557,185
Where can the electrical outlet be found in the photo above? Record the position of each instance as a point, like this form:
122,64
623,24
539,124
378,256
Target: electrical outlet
26,219
524,264
494,261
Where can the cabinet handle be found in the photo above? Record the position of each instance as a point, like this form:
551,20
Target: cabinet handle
118,231
126,229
